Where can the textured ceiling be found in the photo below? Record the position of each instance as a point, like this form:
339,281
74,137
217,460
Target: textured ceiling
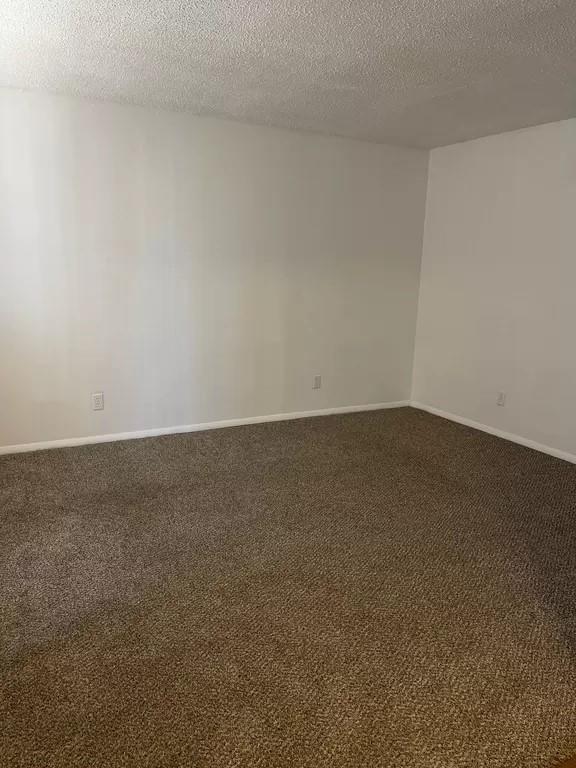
413,72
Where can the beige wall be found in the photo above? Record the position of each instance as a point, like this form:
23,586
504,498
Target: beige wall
497,309
199,270
196,270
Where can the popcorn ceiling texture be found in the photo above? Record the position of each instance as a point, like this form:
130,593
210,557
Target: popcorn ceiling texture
410,72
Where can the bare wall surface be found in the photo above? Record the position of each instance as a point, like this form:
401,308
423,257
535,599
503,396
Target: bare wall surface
497,308
196,270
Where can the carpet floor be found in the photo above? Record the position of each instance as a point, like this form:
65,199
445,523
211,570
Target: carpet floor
385,589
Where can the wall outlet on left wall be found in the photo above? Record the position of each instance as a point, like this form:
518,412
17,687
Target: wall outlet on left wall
317,382
97,401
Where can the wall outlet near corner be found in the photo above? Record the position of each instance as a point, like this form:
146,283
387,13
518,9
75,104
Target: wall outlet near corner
501,399
97,401
317,382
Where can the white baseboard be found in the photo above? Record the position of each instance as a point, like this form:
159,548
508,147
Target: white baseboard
68,442
498,432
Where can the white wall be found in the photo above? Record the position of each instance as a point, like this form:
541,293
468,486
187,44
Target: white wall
196,270
497,309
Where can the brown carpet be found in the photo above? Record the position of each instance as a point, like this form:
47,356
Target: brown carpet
382,589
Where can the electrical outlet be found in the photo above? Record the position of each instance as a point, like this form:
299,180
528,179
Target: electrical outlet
317,383
501,400
97,401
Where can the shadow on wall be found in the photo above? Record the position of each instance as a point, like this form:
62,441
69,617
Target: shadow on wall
106,284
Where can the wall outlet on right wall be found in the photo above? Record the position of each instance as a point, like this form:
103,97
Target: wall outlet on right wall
501,399
317,382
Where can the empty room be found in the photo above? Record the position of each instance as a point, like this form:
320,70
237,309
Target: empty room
287,384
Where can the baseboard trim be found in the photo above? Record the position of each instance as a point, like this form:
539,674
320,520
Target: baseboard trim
497,432
69,442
